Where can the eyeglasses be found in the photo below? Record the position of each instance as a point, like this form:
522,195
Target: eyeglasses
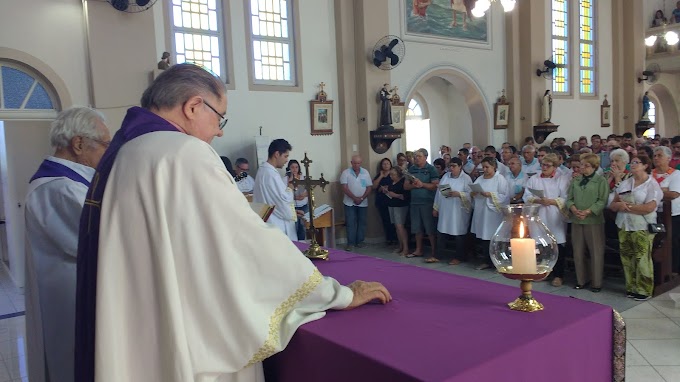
635,162
105,144
223,118
546,165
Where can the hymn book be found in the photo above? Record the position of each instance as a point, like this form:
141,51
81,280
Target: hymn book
264,211
474,187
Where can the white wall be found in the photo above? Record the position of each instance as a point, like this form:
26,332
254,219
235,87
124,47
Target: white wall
22,147
286,114
575,114
52,31
486,67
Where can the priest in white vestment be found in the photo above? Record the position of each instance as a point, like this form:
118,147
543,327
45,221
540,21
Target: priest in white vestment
178,279
54,202
271,189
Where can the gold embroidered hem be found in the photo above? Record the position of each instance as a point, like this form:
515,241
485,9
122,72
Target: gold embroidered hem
273,338
496,202
562,206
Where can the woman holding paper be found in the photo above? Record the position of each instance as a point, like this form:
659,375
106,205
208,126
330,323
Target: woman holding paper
452,205
636,201
490,192
549,189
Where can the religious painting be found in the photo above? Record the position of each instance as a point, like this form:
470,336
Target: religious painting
501,111
445,21
398,115
605,113
322,117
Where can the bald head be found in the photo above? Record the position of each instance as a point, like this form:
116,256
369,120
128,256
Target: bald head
356,163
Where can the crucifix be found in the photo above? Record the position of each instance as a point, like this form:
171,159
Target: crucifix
314,251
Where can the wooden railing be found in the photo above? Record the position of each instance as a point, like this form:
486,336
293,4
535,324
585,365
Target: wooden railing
662,254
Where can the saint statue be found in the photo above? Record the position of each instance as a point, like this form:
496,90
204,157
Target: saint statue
164,63
546,107
385,106
645,108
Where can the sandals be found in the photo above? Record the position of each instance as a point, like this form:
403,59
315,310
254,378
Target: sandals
454,262
431,260
410,255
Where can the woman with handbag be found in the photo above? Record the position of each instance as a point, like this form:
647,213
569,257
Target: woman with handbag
635,203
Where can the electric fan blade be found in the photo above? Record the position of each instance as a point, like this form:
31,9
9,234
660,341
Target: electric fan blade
142,3
120,5
394,59
379,55
393,43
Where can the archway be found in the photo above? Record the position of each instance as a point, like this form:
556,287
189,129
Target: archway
667,111
457,108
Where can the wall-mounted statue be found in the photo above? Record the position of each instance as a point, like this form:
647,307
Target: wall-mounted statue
385,107
546,107
644,116
164,63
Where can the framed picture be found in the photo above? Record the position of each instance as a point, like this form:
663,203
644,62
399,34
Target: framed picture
502,112
605,115
398,116
322,117
424,21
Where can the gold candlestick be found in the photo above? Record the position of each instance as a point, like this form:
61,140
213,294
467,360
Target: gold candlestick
314,252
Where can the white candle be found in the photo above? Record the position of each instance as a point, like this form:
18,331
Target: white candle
523,253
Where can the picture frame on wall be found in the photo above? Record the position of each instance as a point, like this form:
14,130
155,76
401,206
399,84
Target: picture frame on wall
398,116
322,117
501,112
605,113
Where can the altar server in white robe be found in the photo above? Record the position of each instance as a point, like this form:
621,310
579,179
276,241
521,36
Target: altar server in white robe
553,211
488,204
54,202
452,204
271,189
178,279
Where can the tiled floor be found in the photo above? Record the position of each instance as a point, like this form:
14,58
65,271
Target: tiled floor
653,327
653,348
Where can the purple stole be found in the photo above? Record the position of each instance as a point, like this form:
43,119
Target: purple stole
49,169
137,122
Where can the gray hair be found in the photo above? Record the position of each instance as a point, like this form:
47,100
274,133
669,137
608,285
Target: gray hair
78,121
179,83
666,151
423,151
620,153
530,147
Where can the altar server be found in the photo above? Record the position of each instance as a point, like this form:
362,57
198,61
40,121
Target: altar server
488,204
452,204
271,189
53,205
178,279
553,211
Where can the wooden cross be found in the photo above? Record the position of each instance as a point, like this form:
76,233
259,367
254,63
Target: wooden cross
314,251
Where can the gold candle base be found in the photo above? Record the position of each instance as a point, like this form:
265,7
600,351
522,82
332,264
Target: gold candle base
526,302
315,252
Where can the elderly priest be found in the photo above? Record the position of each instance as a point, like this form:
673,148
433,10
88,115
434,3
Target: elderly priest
178,278
54,202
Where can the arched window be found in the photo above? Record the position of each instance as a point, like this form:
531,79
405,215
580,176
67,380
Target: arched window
417,129
21,89
652,117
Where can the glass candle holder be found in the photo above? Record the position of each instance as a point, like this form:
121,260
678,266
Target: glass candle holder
523,248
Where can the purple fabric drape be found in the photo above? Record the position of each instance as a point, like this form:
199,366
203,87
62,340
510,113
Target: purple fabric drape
49,169
137,122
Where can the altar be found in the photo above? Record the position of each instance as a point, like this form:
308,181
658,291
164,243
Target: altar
445,327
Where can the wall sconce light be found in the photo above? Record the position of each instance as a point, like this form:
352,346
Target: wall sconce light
670,37
481,6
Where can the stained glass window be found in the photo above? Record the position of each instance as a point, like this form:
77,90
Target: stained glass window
272,40
560,46
586,47
198,35
20,90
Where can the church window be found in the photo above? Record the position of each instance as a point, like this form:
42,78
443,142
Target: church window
22,90
272,45
560,46
587,47
417,129
198,34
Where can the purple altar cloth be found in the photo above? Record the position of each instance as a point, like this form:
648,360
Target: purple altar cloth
445,327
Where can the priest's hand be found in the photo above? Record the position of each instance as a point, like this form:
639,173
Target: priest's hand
365,292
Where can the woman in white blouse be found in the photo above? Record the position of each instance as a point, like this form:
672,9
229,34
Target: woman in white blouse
452,205
635,202
487,204
553,211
